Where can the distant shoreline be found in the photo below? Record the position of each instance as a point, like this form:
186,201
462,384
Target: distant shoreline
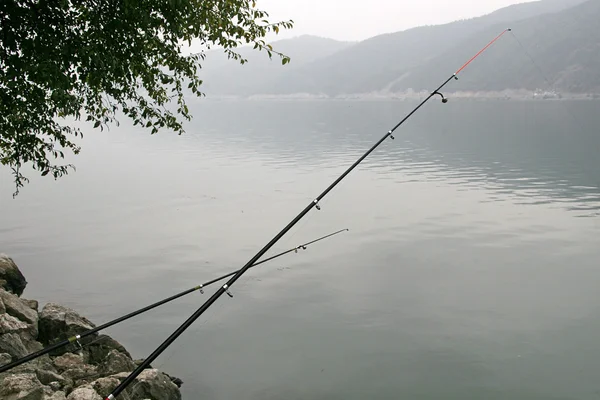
520,95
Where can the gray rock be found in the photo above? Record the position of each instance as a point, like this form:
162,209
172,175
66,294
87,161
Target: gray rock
32,366
48,392
10,324
12,344
178,382
10,275
104,386
30,344
98,350
21,387
57,323
68,361
151,384
47,377
26,332
57,396
84,393
117,362
139,362
18,308
80,376
5,358
85,373
33,304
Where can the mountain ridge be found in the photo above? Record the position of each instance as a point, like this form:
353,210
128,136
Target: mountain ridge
407,61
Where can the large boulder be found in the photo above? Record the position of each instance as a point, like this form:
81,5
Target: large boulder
47,377
58,323
82,375
117,362
74,369
98,350
12,344
31,345
105,386
21,387
16,337
11,278
33,304
18,308
10,324
68,361
151,384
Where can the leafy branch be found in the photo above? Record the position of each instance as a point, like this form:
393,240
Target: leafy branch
94,58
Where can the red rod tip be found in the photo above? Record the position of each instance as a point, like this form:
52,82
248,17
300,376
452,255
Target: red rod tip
481,51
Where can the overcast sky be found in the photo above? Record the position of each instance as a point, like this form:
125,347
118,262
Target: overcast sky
361,19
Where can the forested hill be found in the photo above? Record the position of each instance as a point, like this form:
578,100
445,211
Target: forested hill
562,37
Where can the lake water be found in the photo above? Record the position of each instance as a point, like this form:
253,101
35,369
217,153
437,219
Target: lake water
470,271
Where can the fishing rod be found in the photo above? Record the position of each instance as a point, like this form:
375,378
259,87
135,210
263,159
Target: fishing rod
75,339
313,204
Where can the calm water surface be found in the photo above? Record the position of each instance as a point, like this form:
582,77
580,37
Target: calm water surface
471,269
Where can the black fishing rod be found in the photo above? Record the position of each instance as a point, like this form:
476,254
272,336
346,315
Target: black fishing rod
75,339
313,204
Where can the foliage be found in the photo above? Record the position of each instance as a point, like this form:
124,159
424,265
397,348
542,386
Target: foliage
94,58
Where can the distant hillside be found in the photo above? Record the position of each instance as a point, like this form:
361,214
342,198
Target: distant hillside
374,64
565,46
224,76
562,35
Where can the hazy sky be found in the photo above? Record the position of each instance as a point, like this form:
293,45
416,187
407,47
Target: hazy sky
361,19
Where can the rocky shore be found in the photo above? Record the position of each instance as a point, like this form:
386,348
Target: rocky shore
89,372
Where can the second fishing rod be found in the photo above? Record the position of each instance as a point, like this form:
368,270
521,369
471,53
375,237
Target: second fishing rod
77,338
313,204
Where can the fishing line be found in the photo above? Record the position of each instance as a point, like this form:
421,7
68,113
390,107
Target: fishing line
225,289
532,60
550,85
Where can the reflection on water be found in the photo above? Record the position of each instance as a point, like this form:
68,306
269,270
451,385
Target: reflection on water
544,152
470,268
